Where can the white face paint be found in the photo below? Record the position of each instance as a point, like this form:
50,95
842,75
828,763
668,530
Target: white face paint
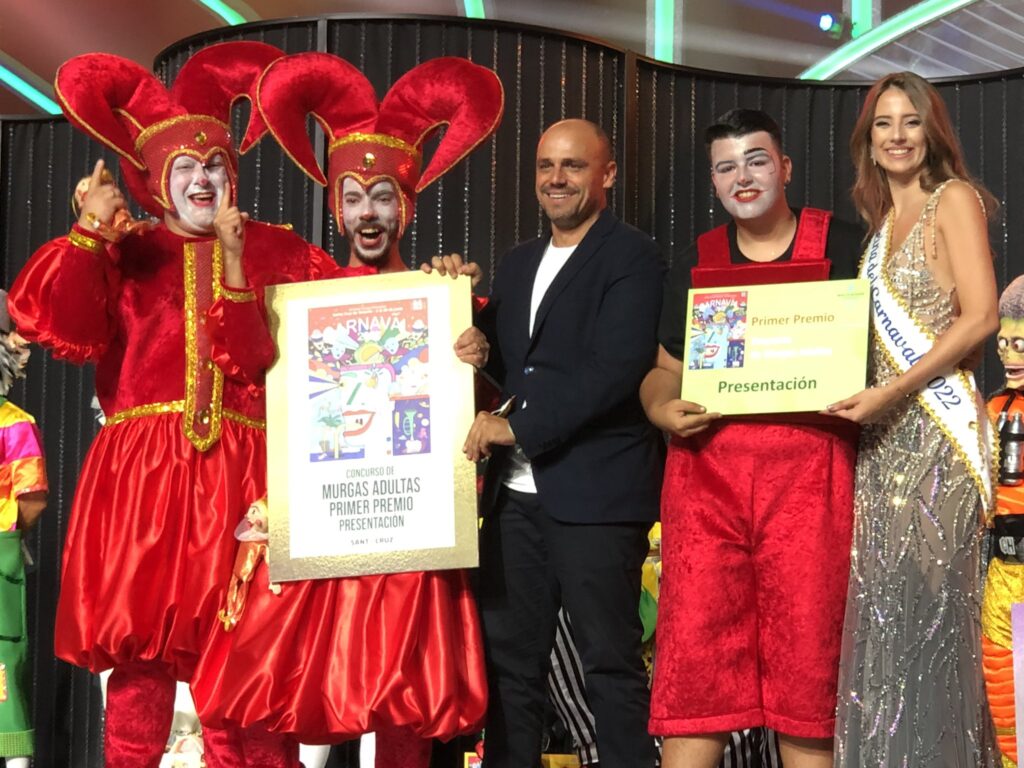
371,218
196,189
750,175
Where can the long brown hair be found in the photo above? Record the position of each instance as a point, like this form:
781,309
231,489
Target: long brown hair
944,158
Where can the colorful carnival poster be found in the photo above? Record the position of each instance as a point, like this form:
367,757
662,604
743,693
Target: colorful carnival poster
367,411
776,348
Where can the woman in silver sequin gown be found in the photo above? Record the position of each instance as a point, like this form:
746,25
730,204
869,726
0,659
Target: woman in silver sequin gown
911,691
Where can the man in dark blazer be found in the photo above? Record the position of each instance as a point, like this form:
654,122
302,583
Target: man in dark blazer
572,328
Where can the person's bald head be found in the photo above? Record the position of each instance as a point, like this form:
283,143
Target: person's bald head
576,124
574,169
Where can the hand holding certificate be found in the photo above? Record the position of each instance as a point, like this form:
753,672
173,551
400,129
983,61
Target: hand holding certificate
367,407
775,348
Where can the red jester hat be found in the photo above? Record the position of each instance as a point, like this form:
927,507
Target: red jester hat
371,142
125,107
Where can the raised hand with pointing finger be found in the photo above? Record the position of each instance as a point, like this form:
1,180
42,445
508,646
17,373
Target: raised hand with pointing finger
229,226
102,200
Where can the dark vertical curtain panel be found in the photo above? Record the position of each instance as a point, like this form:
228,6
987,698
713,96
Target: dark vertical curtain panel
40,163
654,113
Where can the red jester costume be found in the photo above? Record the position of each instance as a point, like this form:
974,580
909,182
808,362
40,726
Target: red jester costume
397,654
180,358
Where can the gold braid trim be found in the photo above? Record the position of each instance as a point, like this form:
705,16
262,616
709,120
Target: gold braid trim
178,406
85,243
202,442
244,420
170,122
382,139
150,409
239,297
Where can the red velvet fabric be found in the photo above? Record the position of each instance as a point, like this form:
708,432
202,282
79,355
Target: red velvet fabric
756,530
808,263
401,748
215,77
757,519
247,748
140,708
448,91
139,713
328,660
130,320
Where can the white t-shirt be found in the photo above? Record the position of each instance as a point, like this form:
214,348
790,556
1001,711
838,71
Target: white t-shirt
519,475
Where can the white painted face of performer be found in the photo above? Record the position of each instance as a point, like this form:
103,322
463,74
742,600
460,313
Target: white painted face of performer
750,174
196,188
371,219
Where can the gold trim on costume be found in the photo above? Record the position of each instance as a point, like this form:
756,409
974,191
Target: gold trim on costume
178,406
212,415
84,242
247,421
237,296
156,128
375,138
150,409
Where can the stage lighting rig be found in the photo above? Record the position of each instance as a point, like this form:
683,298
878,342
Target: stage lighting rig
838,27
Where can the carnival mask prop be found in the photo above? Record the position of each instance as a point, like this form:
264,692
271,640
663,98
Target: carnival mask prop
1010,339
124,106
14,349
371,142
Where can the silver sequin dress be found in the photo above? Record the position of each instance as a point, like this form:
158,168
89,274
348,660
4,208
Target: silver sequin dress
911,691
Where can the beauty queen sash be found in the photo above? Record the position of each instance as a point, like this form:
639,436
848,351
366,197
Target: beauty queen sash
951,399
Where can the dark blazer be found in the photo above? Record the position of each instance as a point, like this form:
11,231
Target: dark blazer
578,418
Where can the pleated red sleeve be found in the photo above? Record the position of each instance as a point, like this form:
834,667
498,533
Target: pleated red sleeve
241,344
64,296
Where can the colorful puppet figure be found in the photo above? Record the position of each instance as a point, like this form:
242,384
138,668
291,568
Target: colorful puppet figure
1004,584
22,498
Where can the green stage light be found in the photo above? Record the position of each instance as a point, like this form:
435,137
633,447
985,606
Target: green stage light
225,11
889,30
664,30
29,92
474,9
861,17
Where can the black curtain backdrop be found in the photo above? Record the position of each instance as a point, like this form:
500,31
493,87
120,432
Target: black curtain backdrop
655,114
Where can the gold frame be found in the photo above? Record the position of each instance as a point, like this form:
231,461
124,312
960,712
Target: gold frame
447,375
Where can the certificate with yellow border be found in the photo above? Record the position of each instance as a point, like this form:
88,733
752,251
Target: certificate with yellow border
779,348
367,411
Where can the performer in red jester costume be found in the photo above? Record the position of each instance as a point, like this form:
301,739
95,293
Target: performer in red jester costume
399,654
1004,583
756,514
173,319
